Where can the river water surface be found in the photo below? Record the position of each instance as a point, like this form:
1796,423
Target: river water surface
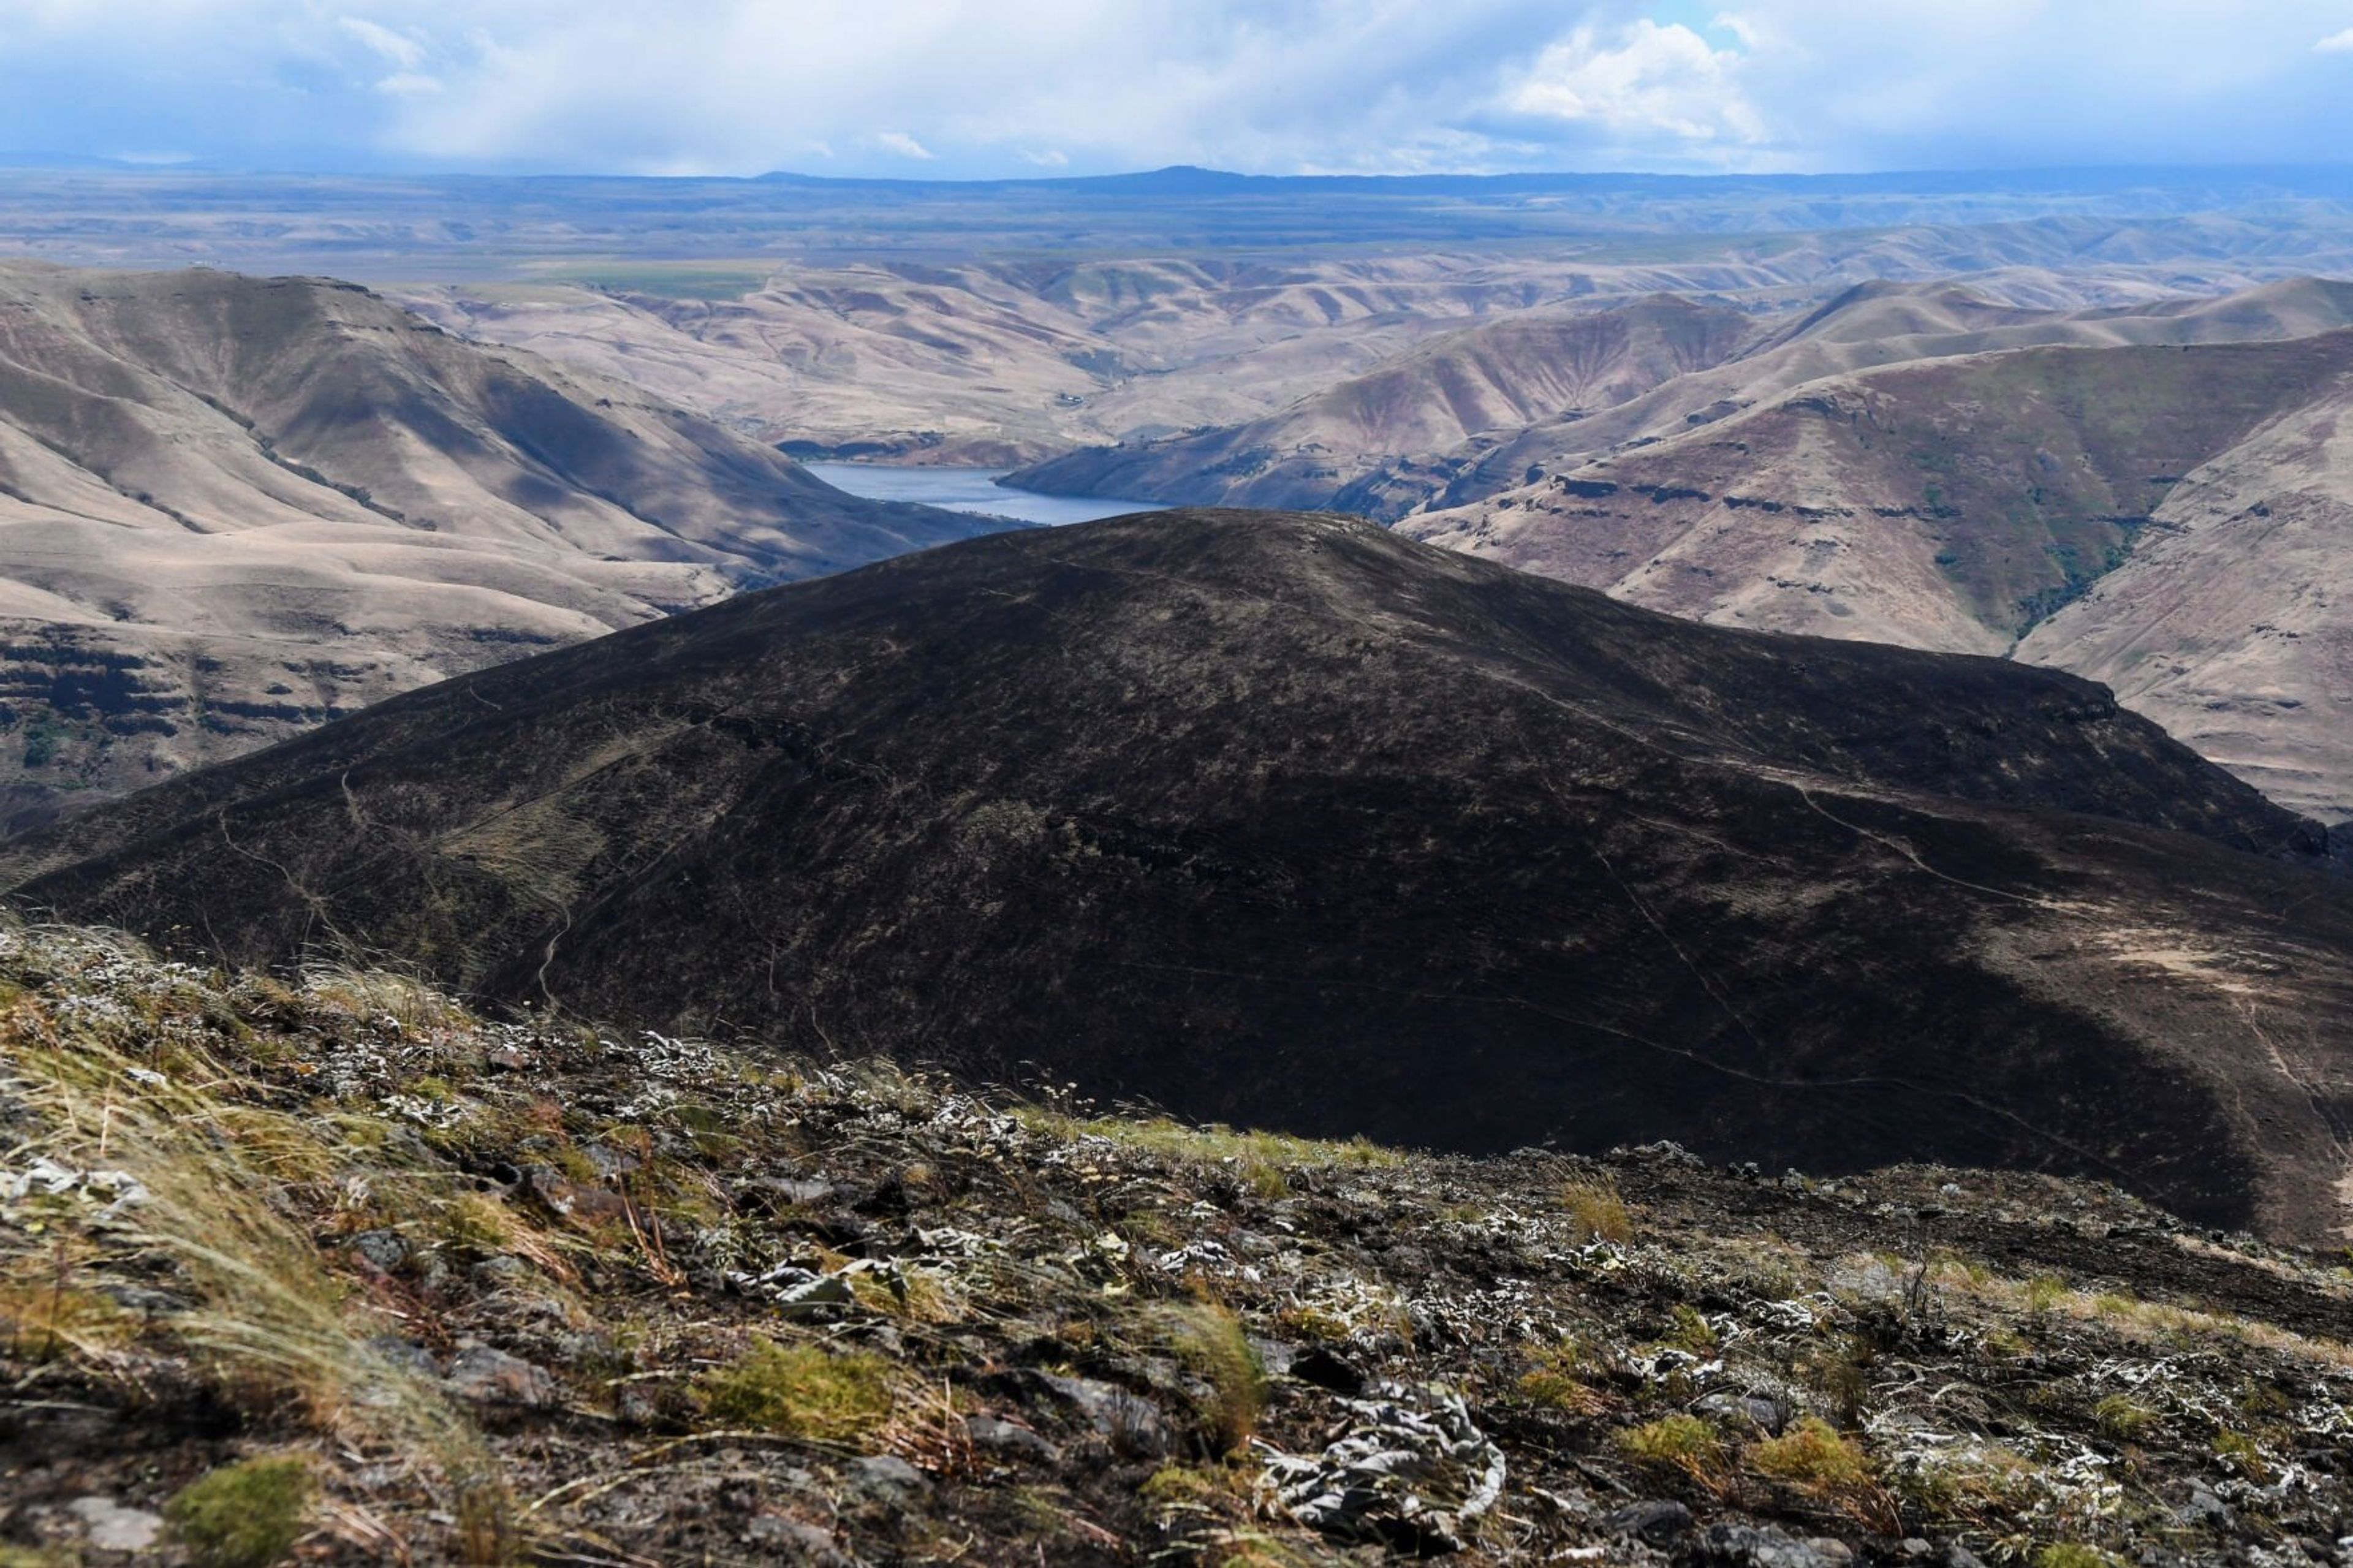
969,489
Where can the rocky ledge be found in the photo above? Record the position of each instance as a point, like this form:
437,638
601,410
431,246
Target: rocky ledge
326,1267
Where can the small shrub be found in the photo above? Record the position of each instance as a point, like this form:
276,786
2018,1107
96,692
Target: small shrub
1692,1332
1558,1380
2243,1453
1685,1442
1264,1179
800,1391
1844,1374
1980,1482
1182,1486
1596,1212
916,1294
477,1222
1311,1322
246,1515
2071,1555
2122,1420
1812,1454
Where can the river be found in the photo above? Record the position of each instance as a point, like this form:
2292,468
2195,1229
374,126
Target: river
969,489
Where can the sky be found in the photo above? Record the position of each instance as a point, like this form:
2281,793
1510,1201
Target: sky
954,89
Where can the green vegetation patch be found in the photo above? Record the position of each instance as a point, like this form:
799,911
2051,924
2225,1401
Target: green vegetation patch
246,1515
1685,1442
801,1391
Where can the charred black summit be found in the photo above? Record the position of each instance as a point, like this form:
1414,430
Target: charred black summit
1289,821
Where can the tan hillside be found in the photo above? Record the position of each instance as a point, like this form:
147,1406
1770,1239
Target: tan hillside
1471,413
1013,362
2229,623
1959,503
231,508
1505,376
1873,324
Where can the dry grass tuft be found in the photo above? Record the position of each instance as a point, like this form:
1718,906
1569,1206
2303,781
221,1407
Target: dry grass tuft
268,1319
1812,1454
1596,1212
1210,1343
2123,1420
1557,1381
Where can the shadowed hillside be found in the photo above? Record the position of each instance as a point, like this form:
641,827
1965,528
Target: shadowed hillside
1288,820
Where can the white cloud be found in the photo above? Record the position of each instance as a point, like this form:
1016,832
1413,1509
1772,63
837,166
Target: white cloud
398,48
1363,85
1741,27
1642,82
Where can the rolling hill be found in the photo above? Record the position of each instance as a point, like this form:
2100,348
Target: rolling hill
1528,393
231,508
1286,820
1967,503
1341,447
1876,323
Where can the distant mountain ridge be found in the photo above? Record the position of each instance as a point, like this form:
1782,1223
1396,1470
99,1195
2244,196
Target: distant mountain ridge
1285,820
2205,185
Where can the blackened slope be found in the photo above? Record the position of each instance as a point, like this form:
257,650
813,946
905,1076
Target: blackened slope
1287,820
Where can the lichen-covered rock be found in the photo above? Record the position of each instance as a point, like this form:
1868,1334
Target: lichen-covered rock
487,1376
1411,1471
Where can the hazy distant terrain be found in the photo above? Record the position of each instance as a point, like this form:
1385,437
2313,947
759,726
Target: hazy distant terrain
1953,410
457,226
988,323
